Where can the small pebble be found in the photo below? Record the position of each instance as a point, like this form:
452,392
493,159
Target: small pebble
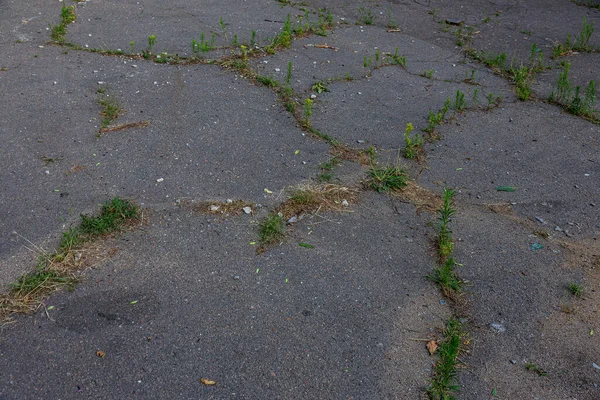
292,220
499,327
595,365
513,361
237,278
443,302
540,220
214,208
229,201
247,210
345,203
159,180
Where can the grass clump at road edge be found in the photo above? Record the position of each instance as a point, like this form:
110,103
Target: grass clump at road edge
58,270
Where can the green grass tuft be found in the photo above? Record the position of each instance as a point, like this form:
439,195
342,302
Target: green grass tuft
271,229
444,382
386,179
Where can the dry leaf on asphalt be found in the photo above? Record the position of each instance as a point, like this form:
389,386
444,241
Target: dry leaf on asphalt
100,353
207,382
432,346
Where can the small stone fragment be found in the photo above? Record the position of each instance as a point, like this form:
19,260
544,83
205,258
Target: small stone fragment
214,208
247,210
499,327
345,203
540,220
292,220
159,180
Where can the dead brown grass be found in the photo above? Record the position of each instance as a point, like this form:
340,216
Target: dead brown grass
421,198
60,270
313,198
351,154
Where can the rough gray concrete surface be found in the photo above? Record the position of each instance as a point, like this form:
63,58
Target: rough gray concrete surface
341,307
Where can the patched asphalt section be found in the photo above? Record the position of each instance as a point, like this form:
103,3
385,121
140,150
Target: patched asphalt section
328,321
210,135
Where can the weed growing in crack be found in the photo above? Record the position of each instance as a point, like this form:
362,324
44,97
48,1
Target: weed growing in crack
110,108
571,99
284,39
223,28
444,236
444,382
268,81
203,45
475,95
330,164
113,215
59,31
365,16
581,43
436,119
522,78
271,229
391,24
396,59
57,270
535,368
587,3
493,100
575,289
308,104
494,60
320,87
460,104
445,276
428,73
388,178
413,144
325,177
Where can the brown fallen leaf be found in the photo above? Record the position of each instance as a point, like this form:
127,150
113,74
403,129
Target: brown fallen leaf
207,382
432,346
100,353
